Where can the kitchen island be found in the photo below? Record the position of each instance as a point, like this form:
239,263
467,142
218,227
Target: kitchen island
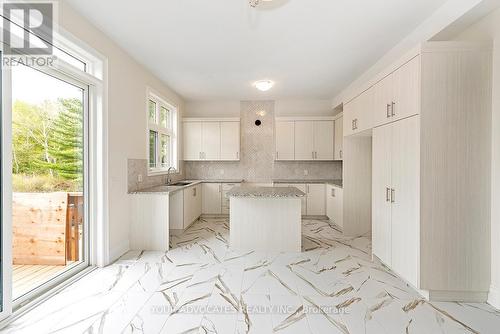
265,218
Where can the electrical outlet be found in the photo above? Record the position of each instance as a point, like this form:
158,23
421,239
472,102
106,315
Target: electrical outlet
139,178
306,172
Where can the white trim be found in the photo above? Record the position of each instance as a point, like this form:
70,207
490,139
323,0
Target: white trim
306,118
172,132
6,189
211,119
494,297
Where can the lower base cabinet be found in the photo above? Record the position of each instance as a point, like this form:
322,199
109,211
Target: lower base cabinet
214,200
313,204
334,204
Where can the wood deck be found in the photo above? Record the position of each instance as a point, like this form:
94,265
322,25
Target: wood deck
27,277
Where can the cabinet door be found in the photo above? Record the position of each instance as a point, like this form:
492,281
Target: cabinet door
198,202
407,90
330,203
192,140
304,140
364,119
406,198
381,192
383,97
230,141
211,140
323,140
316,200
339,207
350,114
339,138
188,207
285,140
211,198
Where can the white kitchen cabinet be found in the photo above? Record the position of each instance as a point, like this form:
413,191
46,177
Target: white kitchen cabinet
339,138
358,113
395,198
381,193
212,198
323,138
285,140
397,96
210,141
192,204
192,140
316,205
149,225
304,140
334,204
229,141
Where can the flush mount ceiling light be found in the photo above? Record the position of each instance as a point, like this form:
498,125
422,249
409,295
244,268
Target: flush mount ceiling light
264,85
255,3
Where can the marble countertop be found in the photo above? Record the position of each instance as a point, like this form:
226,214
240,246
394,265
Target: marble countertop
167,189
337,183
265,192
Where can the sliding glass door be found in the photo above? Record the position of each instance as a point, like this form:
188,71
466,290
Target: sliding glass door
49,180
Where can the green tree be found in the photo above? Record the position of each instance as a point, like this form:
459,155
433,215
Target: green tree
66,141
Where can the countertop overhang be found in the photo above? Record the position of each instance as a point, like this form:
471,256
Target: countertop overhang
265,192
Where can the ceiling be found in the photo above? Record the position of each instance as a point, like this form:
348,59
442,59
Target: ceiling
215,50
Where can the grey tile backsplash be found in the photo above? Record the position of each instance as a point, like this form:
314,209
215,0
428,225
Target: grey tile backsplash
256,158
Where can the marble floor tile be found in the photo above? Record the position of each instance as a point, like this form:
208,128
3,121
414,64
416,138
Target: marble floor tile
201,285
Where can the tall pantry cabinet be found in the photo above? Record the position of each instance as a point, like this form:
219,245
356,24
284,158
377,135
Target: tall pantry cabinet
431,178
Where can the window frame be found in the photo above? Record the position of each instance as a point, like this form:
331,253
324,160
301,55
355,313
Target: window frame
171,130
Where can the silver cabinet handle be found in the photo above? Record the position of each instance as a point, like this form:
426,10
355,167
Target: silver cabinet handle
220,187
353,121
194,192
387,194
388,113
393,109
393,195
312,155
237,155
340,153
277,155
200,155
333,192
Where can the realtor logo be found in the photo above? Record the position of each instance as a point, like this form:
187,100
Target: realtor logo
28,28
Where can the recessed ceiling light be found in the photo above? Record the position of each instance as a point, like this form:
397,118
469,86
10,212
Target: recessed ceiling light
264,85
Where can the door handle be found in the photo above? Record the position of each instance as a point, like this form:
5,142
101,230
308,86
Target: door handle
393,108
388,113
393,195
387,194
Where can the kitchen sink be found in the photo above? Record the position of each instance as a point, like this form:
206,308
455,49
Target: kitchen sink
180,184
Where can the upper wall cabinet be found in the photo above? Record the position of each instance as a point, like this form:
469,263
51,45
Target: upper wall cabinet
305,139
397,96
339,138
358,113
285,140
211,139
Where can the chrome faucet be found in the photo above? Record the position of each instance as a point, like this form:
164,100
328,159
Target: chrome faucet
169,179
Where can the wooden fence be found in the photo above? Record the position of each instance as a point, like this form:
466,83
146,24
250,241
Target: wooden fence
46,227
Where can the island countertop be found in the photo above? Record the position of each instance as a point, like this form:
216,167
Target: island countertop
265,192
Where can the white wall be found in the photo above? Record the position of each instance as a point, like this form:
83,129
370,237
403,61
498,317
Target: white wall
127,83
489,29
281,108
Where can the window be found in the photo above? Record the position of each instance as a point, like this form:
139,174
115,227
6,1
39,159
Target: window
161,134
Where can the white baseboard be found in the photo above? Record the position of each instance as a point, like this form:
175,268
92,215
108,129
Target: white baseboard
494,297
458,296
116,252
